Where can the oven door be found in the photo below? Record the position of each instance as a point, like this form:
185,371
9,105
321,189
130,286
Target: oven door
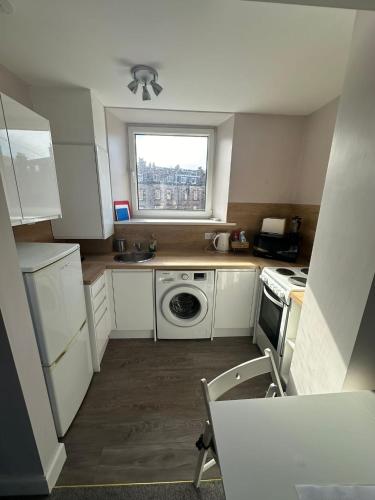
272,319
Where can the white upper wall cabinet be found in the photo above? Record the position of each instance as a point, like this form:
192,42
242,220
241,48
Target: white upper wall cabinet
31,155
76,115
80,143
83,176
8,175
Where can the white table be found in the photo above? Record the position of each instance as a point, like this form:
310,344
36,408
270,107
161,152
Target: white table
266,446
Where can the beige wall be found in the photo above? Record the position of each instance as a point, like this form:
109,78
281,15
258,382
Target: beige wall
342,266
266,150
316,147
223,158
118,157
281,159
14,87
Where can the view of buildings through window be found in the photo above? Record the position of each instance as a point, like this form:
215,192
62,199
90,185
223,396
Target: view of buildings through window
171,172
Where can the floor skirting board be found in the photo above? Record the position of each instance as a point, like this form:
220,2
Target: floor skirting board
233,332
124,334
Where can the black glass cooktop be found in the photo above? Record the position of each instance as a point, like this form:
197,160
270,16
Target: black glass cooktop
285,272
296,280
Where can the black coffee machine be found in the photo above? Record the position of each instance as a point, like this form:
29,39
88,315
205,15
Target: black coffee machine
279,246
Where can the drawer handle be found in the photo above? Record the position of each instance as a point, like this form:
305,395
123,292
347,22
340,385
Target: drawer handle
100,289
101,317
101,303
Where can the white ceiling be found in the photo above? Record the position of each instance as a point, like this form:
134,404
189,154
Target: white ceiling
212,55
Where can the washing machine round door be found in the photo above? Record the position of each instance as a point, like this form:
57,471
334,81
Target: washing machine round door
184,306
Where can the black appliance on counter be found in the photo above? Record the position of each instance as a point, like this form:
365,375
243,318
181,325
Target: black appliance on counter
277,246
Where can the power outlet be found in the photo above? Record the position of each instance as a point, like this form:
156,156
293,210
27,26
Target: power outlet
209,236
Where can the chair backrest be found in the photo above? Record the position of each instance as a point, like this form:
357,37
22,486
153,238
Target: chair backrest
239,374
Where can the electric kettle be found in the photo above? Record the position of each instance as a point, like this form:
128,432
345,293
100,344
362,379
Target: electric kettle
221,242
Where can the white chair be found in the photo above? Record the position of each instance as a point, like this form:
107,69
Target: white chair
219,386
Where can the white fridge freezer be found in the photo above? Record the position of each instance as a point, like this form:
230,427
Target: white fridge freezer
53,278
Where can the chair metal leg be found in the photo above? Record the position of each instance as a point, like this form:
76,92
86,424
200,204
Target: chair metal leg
202,466
271,391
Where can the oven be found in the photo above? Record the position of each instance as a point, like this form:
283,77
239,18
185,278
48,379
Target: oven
272,318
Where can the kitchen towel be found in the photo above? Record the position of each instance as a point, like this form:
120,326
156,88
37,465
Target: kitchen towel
335,492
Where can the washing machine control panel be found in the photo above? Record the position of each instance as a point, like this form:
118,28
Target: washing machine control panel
179,276
195,276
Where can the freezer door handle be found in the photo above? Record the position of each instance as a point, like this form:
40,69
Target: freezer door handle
59,357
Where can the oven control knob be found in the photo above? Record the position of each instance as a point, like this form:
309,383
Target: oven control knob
185,276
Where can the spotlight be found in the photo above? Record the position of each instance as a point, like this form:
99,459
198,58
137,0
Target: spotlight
133,86
156,87
144,76
145,94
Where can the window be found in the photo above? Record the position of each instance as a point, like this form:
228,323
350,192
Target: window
172,157
141,195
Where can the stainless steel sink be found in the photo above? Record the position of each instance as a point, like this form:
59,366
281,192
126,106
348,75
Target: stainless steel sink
134,257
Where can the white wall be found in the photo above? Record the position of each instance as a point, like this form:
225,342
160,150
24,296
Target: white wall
14,87
223,159
99,121
118,157
33,455
266,151
316,148
343,265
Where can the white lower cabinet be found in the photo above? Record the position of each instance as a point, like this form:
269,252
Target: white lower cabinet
99,318
133,303
234,302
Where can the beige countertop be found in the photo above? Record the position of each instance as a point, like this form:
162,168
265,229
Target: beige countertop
94,265
297,297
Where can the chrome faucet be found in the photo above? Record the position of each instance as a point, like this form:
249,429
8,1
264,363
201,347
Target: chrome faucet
137,245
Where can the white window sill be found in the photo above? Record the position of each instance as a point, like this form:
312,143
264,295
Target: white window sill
176,222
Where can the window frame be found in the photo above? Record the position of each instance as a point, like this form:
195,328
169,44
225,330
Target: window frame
134,130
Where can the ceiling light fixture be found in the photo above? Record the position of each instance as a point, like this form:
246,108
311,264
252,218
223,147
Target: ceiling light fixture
144,76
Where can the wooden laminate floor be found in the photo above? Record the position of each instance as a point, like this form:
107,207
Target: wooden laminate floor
144,410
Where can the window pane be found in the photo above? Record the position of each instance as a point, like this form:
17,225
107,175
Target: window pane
171,172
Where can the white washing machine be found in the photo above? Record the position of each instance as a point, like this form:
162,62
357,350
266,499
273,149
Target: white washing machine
184,304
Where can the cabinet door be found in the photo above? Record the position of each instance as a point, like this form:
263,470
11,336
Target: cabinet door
8,176
234,298
31,149
78,180
133,300
105,192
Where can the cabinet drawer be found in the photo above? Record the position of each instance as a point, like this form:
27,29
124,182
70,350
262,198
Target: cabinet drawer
102,331
97,286
100,311
99,299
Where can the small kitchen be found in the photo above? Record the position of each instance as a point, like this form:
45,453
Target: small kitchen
158,245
